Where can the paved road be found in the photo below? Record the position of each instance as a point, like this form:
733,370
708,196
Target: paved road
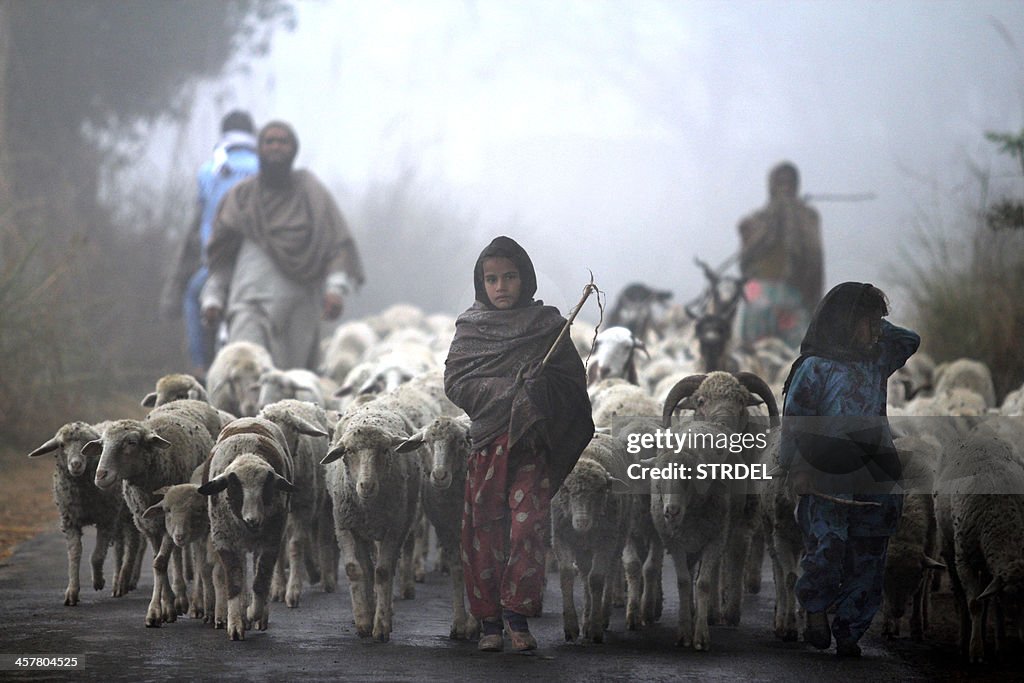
317,641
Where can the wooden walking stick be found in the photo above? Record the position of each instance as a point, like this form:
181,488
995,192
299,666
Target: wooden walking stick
588,289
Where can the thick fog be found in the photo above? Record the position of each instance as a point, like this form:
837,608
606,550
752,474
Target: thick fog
629,137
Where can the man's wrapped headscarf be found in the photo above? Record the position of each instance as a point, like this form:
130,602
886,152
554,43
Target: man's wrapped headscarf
491,371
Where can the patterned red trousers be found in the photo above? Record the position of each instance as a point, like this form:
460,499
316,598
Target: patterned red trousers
504,527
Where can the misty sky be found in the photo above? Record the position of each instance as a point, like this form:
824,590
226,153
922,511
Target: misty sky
628,137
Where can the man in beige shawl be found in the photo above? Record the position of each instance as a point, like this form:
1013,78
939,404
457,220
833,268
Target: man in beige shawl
281,256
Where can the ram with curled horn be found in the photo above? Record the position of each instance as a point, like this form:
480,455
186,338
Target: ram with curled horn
717,395
723,399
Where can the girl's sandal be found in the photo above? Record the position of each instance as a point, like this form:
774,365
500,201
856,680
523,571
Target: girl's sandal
491,643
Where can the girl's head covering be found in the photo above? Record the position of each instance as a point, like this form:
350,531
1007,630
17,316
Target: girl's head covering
506,247
832,331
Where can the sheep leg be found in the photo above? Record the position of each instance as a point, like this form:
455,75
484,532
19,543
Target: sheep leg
233,575
259,610
733,566
123,577
119,557
329,550
755,560
220,593
652,600
383,580
972,589
421,546
406,568
204,554
463,624
298,546
710,568
632,568
684,583
161,604
140,555
279,576
917,600
359,570
180,576
596,585
567,577
99,556
584,564
73,537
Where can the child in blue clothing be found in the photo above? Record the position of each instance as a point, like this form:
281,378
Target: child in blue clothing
840,459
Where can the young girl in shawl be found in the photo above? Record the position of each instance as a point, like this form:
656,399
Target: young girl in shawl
847,354
528,428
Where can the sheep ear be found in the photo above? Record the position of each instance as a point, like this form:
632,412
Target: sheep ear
162,491
150,400
153,441
283,484
410,444
93,448
341,392
214,486
47,447
602,430
153,511
638,344
754,400
334,454
686,404
195,394
993,589
648,463
929,563
306,427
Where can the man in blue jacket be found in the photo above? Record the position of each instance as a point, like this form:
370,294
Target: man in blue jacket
234,159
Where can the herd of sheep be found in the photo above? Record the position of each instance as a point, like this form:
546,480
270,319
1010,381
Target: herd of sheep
287,474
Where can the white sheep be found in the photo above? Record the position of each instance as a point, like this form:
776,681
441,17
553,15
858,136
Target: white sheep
81,503
251,468
447,440
346,346
725,400
614,355
692,519
621,401
233,377
174,387
297,383
305,428
184,513
163,450
590,516
643,554
179,387
979,506
968,374
375,496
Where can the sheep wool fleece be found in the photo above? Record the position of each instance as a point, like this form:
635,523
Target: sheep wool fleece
508,504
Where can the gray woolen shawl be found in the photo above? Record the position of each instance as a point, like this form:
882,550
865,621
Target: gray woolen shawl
492,348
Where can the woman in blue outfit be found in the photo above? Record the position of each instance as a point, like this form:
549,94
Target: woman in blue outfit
840,458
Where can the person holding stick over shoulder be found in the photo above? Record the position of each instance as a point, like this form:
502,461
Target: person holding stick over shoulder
838,451
524,387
